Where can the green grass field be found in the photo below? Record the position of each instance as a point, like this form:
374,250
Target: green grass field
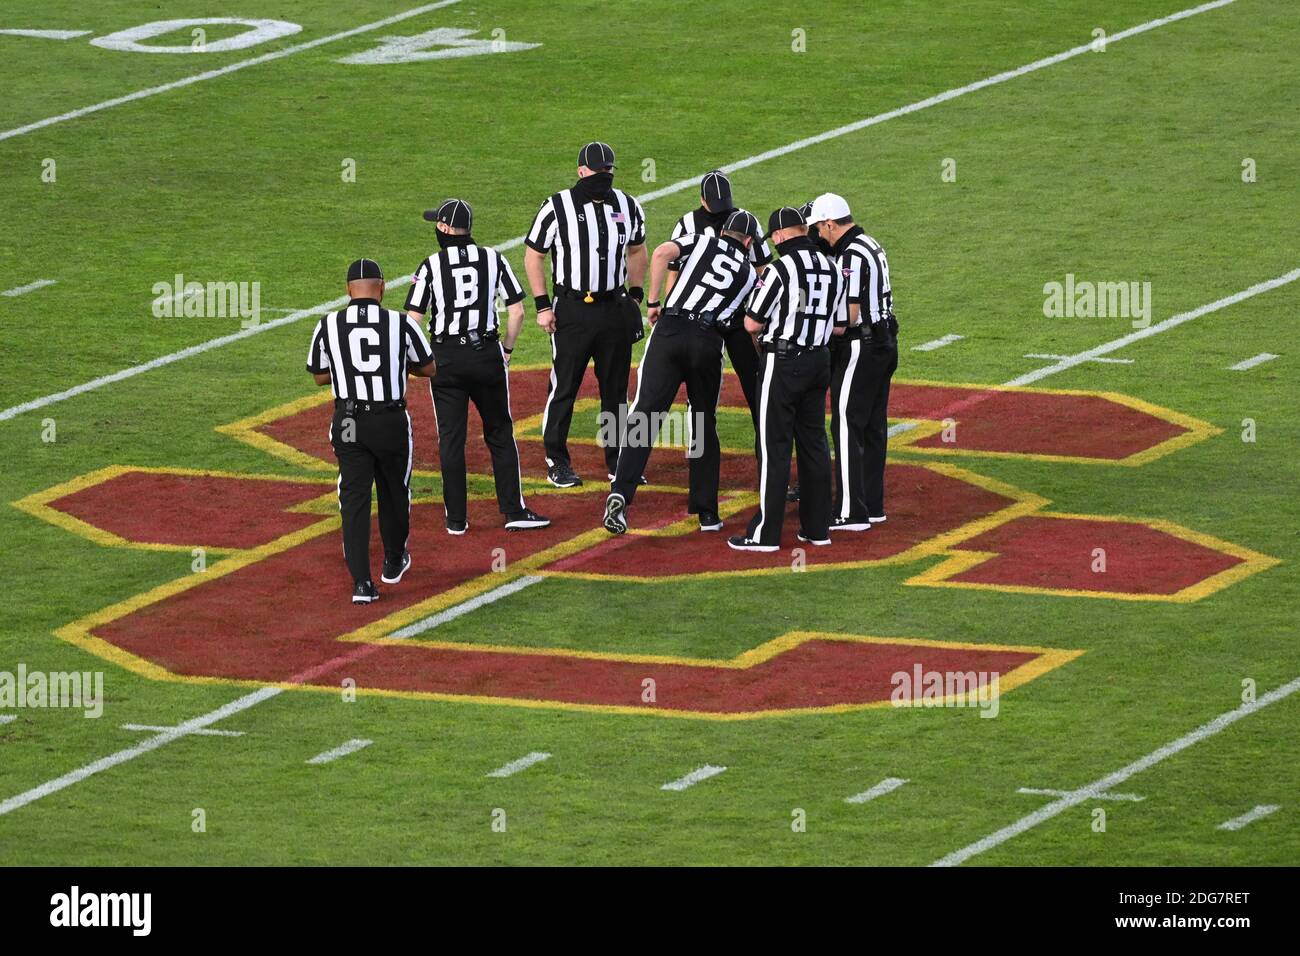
1122,165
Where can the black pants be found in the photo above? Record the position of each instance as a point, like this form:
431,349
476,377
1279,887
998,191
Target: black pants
860,376
744,359
602,332
792,415
465,375
373,449
678,351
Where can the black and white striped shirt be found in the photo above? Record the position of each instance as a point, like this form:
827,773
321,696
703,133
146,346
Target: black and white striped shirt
863,261
459,285
695,223
799,296
715,276
588,241
367,350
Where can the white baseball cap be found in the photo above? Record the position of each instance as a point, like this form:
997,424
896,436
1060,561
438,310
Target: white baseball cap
828,206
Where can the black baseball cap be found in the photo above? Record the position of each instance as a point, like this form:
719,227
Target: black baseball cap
784,218
452,212
596,156
364,269
715,189
742,222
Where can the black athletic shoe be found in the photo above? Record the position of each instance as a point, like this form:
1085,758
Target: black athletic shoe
709,521
615,514
792,493
820,542
393,570
457,525
562,476
526,520
850,524
364,592
640,481
738,542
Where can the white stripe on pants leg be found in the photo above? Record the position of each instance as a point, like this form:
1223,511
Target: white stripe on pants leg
509,412
846,386
762,446
550,394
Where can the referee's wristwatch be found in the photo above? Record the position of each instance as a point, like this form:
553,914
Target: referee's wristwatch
636,292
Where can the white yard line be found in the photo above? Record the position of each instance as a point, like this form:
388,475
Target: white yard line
1261,811
1110,781
679,186
209,732
342,750
523,763
1250,363
143,747
47,34
7,718
941,97
1173,322
1057,358
29,287
465,607
1093,354
1043,792
694,777
888,785
937,343
222,71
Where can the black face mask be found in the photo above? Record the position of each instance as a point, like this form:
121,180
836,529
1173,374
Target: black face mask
595,188
446,240
714,219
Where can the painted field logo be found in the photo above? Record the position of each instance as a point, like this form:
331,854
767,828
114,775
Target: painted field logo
256,613
82,690
922,688
131,910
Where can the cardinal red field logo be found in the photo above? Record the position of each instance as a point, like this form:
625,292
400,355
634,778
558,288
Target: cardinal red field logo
269,610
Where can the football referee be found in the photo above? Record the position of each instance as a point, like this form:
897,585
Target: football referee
459,286
863,360
595,235
685,345
716,208
364,352
793,315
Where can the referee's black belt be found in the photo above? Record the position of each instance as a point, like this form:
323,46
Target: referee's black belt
475,340
708,320
588,296
783,347
352,406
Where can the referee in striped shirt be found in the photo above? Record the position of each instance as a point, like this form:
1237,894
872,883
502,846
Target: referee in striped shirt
595,236
863,361
364,352
715,278
793,315
716,208
459,286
